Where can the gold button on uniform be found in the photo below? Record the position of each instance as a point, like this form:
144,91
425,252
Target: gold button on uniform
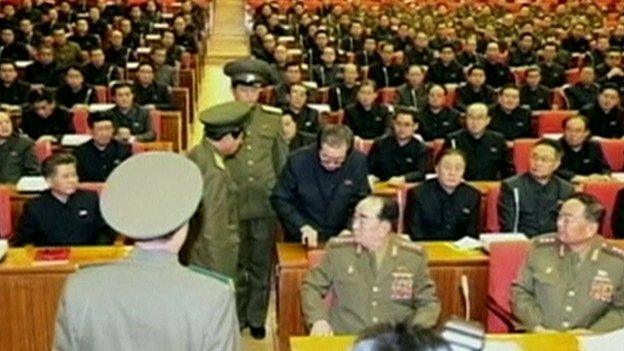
374,303
568,308
375,289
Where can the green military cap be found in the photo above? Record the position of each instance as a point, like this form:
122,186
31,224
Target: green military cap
151,195
225,118
250,72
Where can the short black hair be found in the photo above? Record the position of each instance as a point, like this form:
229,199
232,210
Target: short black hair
389,211
49,165
120,85
399,337
450,152
594,209
8,62
609,86
551,143
38,96
406,110
96,117
473,67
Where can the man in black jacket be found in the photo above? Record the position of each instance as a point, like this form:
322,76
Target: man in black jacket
534,95
446,69
582,159
44,120
150,94
366,118
475,90
508,117
436,119
604,114
319,187
584,92
386,73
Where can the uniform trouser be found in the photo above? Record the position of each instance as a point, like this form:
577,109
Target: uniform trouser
219,254
255,263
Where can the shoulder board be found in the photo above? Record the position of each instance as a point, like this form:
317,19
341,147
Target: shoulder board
341,240
410,246
548,239
216,276
272,109
613,250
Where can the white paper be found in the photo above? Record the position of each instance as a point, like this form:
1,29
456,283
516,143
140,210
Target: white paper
153,37
32,184
602,342
132,65
100,107
553,136
144,50
488,239
467,243
75,139
320,107
619,176
285,39
309,84
23,64
495,345
161,25
4,246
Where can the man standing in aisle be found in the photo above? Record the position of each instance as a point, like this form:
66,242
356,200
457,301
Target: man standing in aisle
254,169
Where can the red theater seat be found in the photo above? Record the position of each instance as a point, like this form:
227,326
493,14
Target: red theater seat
43,150
606,192
551,121
521,154
613,150
6,226
80,120
364,145
387,95
492,225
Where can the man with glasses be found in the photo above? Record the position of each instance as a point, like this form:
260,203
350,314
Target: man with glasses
319,187
572,280
529,202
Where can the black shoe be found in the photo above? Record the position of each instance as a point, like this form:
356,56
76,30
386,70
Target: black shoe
257,333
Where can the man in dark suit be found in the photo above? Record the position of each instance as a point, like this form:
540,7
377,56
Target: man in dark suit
150,94
583,159
132,121
604,114
344,93
584,92
43,120
98,71
533,94
436,119
508,117
12,91
386,73
553,74
413,92
320,186
366,118
497,74
446,69
326,73
307,118
475,90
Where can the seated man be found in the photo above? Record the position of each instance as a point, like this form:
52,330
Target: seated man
294,138
12,91
528,202
419,53
413,92
148,93
487,155
437,120
132,121
444,208
75,91
475,90
399,157
583,158
307,118
319,186
63,215
446,69
553,73
497,74
66,53
534,95
524,53
17,153
386,73
344,93
292,75
326,73
372,258
44,72
43,120
117,53
163,73
98,71
584,92
572,280
604,113
508,117
366,118
81,36
368,56
99,156
12,49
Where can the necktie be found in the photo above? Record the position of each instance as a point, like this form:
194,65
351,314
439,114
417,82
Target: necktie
385,73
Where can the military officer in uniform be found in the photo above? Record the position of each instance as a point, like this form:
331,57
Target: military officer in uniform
17,153
572,280
377,276
149,301
254,169
214,235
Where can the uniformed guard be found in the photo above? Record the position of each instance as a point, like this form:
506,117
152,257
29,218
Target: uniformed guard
214,235
574,279
254,169
149,301
376,276
17,153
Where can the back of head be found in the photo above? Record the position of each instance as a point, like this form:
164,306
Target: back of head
399,337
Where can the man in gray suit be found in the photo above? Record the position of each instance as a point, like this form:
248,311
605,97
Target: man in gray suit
413,92
163,73
149,301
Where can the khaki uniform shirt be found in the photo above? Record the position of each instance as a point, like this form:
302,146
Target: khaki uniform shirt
399,290
559,289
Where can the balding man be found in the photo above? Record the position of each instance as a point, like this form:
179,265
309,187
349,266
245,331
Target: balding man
574,279
413,92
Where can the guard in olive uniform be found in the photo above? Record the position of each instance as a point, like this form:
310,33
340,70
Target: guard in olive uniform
148,301
254,169
573,279
389,284
214,235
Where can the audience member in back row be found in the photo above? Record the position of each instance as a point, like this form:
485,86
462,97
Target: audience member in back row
534,95
17,154
444,208
399,157
63,215
319,186
367,118
436,119
344,93
132,121
307,118
508,117
99,156
413,92
44,120
75,91
529,202
583,158
604,114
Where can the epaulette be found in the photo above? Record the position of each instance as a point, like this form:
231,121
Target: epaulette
548,239
272,109
216,276
613,250
410,246
344,239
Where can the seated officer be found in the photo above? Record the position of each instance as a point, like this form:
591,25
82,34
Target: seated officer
604,114
437,120
132,121
534,95
17,153
344,93
413,92
98,71
75,91
446,69
475,90
583,159
63,215
326,73
307,118
583,92
148,93
444,208
377,275
528,202
319,186
12,91
508,117
572,280
385,73
99,156
366,118
399,157
487,155
44,120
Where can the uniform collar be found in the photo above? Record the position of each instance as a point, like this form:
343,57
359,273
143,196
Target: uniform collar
153,256
592,253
